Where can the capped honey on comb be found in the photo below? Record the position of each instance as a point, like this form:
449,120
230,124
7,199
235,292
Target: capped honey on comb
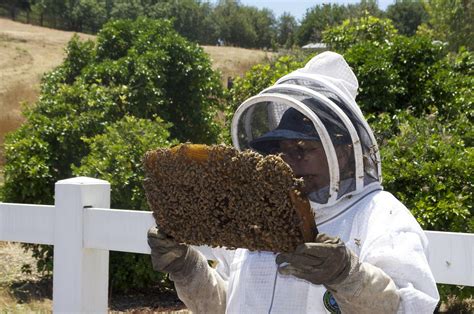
218,196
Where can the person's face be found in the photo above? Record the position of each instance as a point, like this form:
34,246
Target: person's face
307,160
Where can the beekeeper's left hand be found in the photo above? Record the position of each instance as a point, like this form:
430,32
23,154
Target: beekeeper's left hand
325,261
357,286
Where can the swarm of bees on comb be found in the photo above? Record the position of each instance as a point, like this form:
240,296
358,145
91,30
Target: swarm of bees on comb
218,196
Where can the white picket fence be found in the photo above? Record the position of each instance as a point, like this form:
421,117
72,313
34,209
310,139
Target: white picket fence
83,230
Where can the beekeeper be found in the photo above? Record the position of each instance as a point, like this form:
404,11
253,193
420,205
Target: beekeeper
370,253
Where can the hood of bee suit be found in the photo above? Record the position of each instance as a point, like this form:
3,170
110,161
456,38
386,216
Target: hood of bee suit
316,103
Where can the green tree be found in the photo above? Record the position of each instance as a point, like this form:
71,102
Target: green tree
244,26
14,6
451,21
286,30
87,16
426,165
364,29
363,8
317,19
48,9
406,70
75,15
142,70
264,23
39,8
161,71
126,9
233,26
190,18
407,15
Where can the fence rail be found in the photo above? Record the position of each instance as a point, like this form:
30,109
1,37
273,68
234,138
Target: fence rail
83,229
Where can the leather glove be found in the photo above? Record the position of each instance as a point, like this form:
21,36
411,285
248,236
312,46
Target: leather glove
326,261
197,285
358,287
167,255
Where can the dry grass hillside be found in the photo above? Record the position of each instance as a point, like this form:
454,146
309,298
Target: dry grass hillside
27,52
233,61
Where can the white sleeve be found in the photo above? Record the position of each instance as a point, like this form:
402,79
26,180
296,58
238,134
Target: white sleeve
401,256
202,288
394,242
224,258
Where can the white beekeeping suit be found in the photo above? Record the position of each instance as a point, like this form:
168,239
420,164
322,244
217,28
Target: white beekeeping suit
317,103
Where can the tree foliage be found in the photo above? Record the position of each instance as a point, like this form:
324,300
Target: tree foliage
244,26
13,7
367,28
364,7
191,19
317,19
101,109
451,22
86,15
428,166
126,9
324,16
116,156
287,28
407,15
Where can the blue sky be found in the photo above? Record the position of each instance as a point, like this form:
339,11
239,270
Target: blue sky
298,8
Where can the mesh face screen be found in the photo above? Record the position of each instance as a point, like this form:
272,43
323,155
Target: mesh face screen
368,148
339,134
258,120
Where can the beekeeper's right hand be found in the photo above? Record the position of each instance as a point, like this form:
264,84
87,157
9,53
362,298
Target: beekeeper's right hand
198,285
167,255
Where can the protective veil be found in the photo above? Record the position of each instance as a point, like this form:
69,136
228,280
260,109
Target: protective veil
317,103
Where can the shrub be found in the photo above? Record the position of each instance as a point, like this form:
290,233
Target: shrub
116,156
428,167
352,31
407,71
136,72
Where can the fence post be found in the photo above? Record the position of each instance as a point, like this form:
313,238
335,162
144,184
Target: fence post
80,276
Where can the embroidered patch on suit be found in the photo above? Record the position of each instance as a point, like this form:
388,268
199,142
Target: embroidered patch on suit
330,303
